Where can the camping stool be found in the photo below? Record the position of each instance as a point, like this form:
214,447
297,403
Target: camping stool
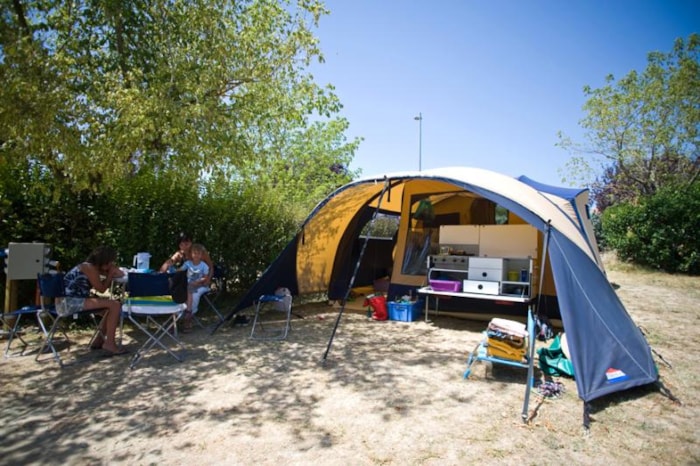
280,302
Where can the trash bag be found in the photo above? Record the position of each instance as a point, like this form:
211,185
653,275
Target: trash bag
285,299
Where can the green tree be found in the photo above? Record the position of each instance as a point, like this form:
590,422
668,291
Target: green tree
95,90
642,130
303,165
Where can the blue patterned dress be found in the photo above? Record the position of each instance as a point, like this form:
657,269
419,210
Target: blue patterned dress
77,288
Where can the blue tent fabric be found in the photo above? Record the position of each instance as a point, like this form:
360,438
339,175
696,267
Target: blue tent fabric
608,351
568,194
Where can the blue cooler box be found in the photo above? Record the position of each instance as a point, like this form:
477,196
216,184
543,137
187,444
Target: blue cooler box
406,312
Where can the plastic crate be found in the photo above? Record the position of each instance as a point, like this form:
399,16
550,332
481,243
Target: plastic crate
446,285
406,312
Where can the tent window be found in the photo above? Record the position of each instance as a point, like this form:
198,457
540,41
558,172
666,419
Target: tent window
384,226
419,245
501,215
483,212
422,236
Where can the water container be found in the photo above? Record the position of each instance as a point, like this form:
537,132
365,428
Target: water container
142,261
524,275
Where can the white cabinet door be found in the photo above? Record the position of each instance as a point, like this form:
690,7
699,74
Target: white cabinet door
508,241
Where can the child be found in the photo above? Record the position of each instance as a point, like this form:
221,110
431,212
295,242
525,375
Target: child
197,272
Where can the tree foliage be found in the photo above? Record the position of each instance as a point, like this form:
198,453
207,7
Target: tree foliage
94,91
643,131
124,122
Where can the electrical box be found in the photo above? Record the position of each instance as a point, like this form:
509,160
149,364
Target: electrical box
25,260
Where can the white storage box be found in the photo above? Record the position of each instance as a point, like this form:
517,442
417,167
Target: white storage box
492,275
486,268
486,262
480,287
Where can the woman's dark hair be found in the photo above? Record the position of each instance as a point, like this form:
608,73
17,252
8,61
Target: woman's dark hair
183,237
102,255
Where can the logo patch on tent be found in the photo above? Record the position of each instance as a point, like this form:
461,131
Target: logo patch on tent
615,375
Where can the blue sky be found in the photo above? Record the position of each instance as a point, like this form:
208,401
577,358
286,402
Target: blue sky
495,80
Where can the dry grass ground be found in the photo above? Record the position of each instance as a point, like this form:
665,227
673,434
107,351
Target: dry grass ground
389,393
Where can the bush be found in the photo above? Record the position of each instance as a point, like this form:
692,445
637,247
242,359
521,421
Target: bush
659,232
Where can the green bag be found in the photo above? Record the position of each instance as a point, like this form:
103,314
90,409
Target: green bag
553,361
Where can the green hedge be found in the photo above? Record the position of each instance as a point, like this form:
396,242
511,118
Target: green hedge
243,227
660,232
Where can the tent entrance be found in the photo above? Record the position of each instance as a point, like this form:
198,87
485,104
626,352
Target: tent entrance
377,235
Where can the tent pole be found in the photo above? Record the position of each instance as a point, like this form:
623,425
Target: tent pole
545,249
354,273
531,329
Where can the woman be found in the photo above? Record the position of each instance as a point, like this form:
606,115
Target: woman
183,254
87,276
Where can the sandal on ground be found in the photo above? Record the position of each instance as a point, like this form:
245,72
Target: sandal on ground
187,324
96,347
120,352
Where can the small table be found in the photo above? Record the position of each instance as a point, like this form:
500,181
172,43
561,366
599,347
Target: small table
149,307
158,321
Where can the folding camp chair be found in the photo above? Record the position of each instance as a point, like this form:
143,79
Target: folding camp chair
279,303
14,323
150,307
218,282
216,289
207,298
51,290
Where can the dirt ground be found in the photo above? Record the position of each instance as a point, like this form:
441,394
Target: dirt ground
389,393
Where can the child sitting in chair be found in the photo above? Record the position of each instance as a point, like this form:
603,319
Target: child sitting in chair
197,272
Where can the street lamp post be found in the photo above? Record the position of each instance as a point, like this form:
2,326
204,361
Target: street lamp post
420,139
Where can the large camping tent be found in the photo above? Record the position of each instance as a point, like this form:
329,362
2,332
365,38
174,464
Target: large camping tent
608,351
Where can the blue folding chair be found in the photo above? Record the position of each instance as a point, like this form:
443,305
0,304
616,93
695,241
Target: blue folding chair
149,306
15,329
268,308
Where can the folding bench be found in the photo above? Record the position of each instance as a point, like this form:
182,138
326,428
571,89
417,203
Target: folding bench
510,343
150,308
505,342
